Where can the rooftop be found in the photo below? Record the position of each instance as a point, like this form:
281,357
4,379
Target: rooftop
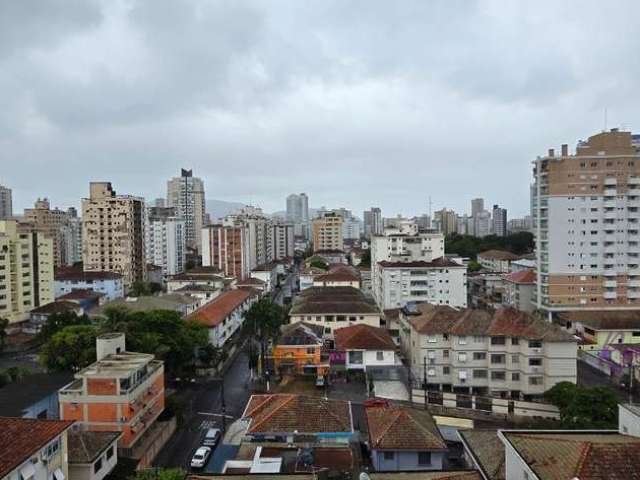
363,337
119,365
338,276
76,273
86,446
319,300
523,277
441,475
603,319
587,455
169,301
22,437
58,306
442,262
81,294
301,333
215,311
16,397
499,255
487,451
399,428
280,413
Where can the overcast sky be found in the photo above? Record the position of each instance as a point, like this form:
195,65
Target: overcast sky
357,103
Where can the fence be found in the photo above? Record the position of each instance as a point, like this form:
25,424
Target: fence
487,405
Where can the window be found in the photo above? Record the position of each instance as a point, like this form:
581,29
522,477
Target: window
515,340
479,374
445,353
535,362
311,351
462,340
379,356
497,358
515,358
424,458
110,452
479,356
432,339
535,344
97,466
535,380
498,341
498,376
462,357
389,455
478,339
446,370
515,377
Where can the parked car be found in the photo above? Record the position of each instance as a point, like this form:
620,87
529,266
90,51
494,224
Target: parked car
212,437
199,459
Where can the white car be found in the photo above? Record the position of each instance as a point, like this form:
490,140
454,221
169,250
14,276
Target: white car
199,459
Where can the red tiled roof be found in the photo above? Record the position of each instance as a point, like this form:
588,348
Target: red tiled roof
337,277
251,281
76,273
397,428
499,255
59,306
526,277
363,337
80,294
280,413
212,313
434,318
441,262
22,437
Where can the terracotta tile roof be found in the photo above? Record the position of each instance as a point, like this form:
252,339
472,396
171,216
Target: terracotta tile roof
398,428
434,319
59,306
604,320
441,262
392,313
472,322
337,277
81,294
337,300
523,277
214,312
596,455
335,459
313,271
22,437
78,274
363,337
509,322
279,413
85,446
487,451
499,255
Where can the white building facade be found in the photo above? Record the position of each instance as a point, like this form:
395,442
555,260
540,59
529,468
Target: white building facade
165,240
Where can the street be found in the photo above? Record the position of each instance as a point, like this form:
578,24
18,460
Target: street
205,411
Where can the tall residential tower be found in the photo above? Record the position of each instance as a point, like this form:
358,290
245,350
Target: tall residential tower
186,193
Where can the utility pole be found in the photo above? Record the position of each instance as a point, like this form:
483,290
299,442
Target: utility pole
424,380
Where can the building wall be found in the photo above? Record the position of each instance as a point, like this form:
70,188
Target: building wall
80,471
299,355
519,296
628,422
166,243
515,467
44,471
112,288
327,233
113,234
330,322
405,461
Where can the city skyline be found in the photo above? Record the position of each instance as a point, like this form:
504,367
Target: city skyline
142,108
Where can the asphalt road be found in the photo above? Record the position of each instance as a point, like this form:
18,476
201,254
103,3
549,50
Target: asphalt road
204,410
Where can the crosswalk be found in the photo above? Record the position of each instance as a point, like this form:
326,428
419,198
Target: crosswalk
206,424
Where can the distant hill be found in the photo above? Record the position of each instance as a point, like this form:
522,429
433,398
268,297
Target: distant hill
219,208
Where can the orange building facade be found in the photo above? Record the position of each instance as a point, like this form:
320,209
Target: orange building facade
123,391
299,350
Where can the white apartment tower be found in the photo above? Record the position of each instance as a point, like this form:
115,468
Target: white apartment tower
283,241
499,221
113,233
587,225
186,193
165,239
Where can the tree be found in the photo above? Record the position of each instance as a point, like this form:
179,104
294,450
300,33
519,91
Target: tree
584,407
70,349
469,246
365,260
160,474
144,289
58,321
4,323
262,322
319,264
474,266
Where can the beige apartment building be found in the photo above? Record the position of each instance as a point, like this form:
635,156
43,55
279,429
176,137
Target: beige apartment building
113,233
327,232
26,270
587,221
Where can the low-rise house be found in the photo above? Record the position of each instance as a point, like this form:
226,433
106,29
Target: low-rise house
155,274
33,449
497,261
392,323
518,290
252,282
334,307
404,439
506,353
330,256
121,392
308,275
484,451
224,315
599,328
337,279
365,346
92,455
183,304
204,293
67,279
35,396
299,350
39,316
290,418
85,297
440,281
268,274
523,264
206,276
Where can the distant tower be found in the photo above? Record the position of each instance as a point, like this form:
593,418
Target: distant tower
186,193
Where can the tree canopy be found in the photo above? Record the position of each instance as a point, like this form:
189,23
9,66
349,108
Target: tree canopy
263,319
71,349
319,264
58,321
469,246
584,407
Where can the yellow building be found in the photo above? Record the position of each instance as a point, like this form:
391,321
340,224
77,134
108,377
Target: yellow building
26,270
327,233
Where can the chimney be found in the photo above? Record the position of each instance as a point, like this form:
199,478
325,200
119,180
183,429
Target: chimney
551,152
565,150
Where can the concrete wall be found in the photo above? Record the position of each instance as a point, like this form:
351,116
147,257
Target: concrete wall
628,422
404,461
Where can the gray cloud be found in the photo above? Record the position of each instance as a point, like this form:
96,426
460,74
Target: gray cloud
359,103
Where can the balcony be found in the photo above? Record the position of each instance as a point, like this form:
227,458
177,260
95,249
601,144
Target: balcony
633,294
610,181
610,191
610,283
633,283
610,295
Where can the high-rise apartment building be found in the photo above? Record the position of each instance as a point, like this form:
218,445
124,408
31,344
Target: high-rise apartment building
587,225
165,239
298,208
72,234
283,241
186,193
372,222
26,270
477,206
58,225
499,221
447,221
113,237
481,224
327,232
6,206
